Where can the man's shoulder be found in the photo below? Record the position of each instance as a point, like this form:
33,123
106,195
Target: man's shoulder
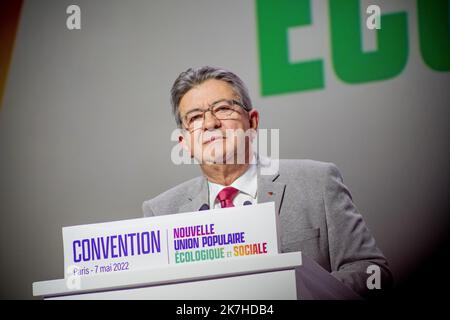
172,197
305,164
306,168
308,174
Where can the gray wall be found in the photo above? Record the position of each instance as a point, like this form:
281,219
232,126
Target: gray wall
85,126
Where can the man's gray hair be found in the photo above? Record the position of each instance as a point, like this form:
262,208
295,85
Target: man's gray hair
195,76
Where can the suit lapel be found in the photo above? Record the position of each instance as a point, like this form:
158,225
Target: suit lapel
268,188
197,196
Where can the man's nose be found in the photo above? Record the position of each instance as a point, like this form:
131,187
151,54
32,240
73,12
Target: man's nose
210,121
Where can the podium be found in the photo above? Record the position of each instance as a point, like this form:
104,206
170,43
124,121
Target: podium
287,276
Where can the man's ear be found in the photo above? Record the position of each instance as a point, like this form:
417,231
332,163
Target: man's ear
184,144
182,141
253,116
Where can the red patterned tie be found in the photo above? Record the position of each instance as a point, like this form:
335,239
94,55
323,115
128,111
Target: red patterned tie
226,196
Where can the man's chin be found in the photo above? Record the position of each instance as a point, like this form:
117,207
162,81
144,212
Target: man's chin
225,159
213,161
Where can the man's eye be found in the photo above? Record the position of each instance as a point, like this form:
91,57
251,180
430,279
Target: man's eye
223,108
195,117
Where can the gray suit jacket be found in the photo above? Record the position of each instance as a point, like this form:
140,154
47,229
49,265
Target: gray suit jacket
317,217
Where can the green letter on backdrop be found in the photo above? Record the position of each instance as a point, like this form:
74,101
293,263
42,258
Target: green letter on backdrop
278,75
434,33
350,63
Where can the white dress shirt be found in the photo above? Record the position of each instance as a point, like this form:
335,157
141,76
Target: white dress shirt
247,184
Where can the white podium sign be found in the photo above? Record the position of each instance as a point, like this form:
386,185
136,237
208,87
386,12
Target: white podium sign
136,244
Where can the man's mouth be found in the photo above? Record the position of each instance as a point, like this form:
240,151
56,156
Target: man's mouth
212,139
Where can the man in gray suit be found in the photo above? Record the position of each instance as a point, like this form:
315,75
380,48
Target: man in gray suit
317,215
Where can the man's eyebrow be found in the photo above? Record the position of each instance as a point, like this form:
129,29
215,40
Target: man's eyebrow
193,110
200,109
220,100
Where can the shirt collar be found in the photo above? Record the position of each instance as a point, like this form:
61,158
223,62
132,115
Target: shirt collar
246,183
